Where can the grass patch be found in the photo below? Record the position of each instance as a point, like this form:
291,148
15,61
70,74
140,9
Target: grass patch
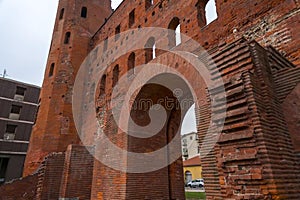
195,195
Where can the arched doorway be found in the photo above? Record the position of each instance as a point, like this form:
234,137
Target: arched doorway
166,178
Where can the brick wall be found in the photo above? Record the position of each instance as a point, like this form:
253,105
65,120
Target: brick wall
23,189
254,158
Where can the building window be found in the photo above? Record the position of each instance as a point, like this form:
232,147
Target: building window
115,76
148,4
15,112
67,37
150,50
102,85
61,15
10,132
16,109
20,93
3,167
191,137
206,12
174,32
11,128
83,12
117,32
131,18
105,44
211,11
51,71
131,64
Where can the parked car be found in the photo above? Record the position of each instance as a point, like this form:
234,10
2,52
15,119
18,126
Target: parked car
196,183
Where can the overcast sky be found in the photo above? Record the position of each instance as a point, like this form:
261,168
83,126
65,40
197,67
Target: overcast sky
25,37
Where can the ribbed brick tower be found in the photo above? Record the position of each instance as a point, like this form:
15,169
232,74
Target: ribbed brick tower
76,22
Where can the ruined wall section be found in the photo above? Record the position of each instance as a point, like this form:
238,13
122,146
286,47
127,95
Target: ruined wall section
22,189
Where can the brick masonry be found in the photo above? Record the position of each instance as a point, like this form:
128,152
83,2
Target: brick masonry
255,156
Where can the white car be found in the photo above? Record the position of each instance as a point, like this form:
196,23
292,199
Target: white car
196,183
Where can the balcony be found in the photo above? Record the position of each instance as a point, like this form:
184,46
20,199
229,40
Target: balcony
9,136
18,97
14,116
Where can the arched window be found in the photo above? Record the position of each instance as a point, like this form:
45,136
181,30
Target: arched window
102,85
83,12
174,34
131,64
131,18
150,50
51,70
61,15
67,37
206,12
115,76
211,11
148,4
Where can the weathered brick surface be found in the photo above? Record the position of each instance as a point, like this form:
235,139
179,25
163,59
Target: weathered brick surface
78,171
254,157
22,189
50,176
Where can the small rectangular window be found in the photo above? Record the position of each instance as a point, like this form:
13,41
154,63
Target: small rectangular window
131,18
83,12
20,91
67,38
16,109
117,32
51,71
11,128
105,44
61,15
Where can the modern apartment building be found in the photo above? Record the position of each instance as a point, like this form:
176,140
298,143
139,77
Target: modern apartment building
190,146
18,107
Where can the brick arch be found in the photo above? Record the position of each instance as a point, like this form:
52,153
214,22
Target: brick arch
171,176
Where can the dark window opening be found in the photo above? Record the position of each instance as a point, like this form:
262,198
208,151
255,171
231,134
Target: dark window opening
51,71
3,167
67,37
174,32
83,12
117,32
11,128
105,44
16,109
148,4
131,18
102,85
115,76
61,15
150,50
20,91
131,64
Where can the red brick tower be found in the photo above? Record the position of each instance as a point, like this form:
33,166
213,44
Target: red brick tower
76,22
